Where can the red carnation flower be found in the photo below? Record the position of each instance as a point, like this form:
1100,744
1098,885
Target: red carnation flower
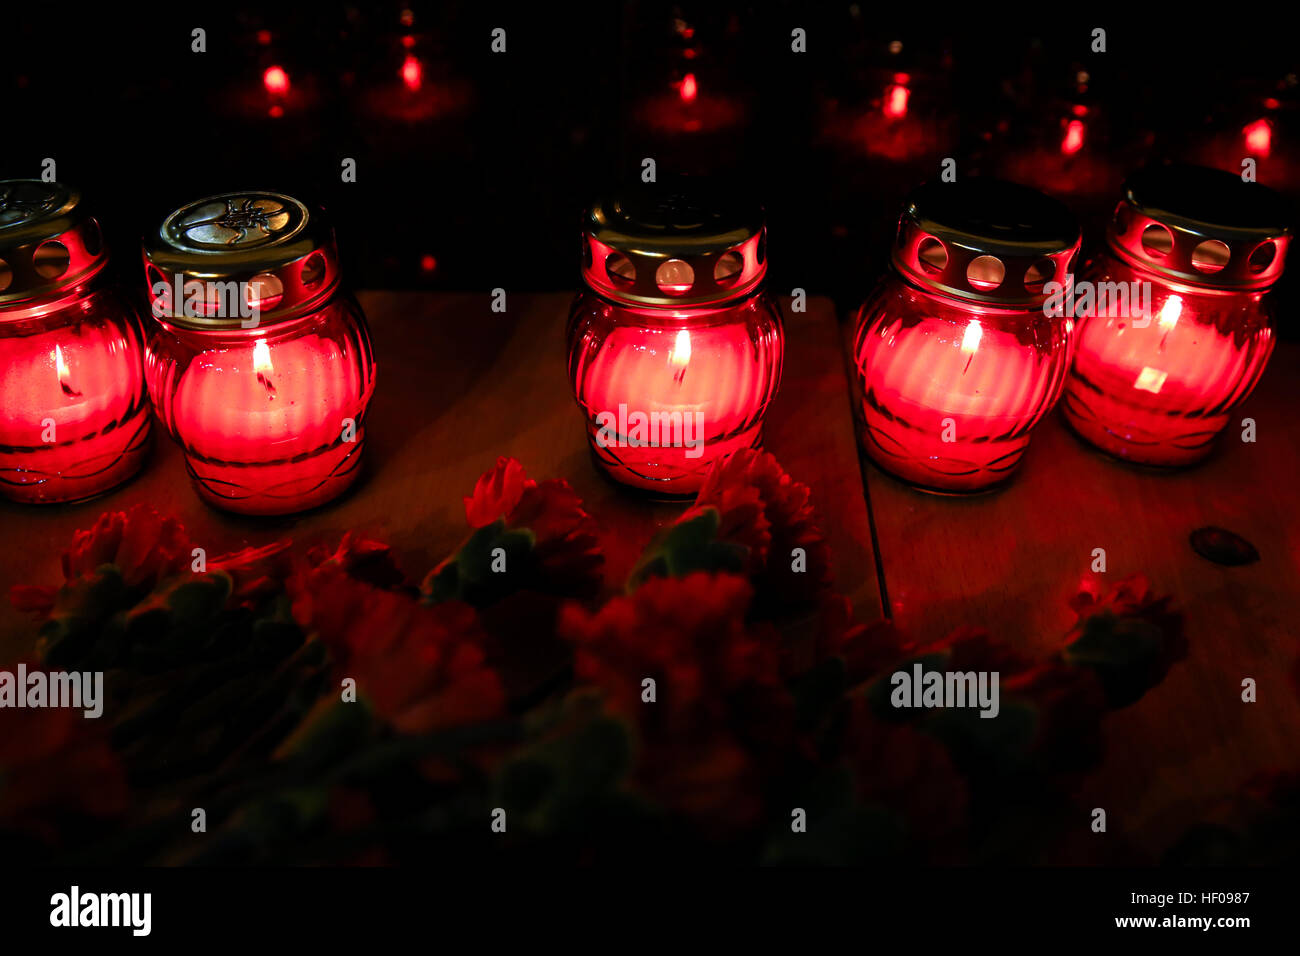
561,553
497,492
148,549
1130,597
422,668
766,510
145,547
363,559
1129,637
722,717
552,510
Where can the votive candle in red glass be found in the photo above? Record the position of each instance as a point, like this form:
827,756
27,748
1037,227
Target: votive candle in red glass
258,365
957,358
1156,374
74,414
675,347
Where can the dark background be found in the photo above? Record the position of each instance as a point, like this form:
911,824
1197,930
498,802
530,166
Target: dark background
478,180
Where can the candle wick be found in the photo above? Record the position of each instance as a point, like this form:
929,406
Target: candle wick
266,384
970,358
68,390
679,376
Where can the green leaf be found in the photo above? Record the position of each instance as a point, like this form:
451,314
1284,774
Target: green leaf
332,731
572,772
469,574
83,610
687,546
1127,654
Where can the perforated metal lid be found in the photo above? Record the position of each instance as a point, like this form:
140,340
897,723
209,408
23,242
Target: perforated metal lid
1202,226
282,250
49,245
682,242
985,240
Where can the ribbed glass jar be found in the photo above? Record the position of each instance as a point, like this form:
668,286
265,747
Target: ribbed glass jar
271,420
952,391
74,415
674,348
957,358
1154,379
667,392
262,377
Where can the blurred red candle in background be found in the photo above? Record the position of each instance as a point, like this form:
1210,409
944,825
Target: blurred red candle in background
1155,384
269,408
276,81
74,420
957,358
675,348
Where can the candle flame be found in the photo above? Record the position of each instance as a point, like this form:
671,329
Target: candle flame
970,341
690,88
1259,138
262,357
412,73
680,356
896,99
1171,311
262,366
65,377
1073,141
276,80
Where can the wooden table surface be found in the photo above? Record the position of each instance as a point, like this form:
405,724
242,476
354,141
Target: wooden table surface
460,385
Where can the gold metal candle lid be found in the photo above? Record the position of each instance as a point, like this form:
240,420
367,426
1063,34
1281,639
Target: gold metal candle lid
1202,226
281,254
49,245
986,240
673,244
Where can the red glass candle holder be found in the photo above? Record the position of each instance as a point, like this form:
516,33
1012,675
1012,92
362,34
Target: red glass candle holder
74,415
957,358
258,366
675,347
1156,374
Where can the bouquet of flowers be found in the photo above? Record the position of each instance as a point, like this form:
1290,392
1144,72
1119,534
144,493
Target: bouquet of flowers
288,706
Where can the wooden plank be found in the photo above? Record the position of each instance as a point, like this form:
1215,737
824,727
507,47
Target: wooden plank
1010,561
458,386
